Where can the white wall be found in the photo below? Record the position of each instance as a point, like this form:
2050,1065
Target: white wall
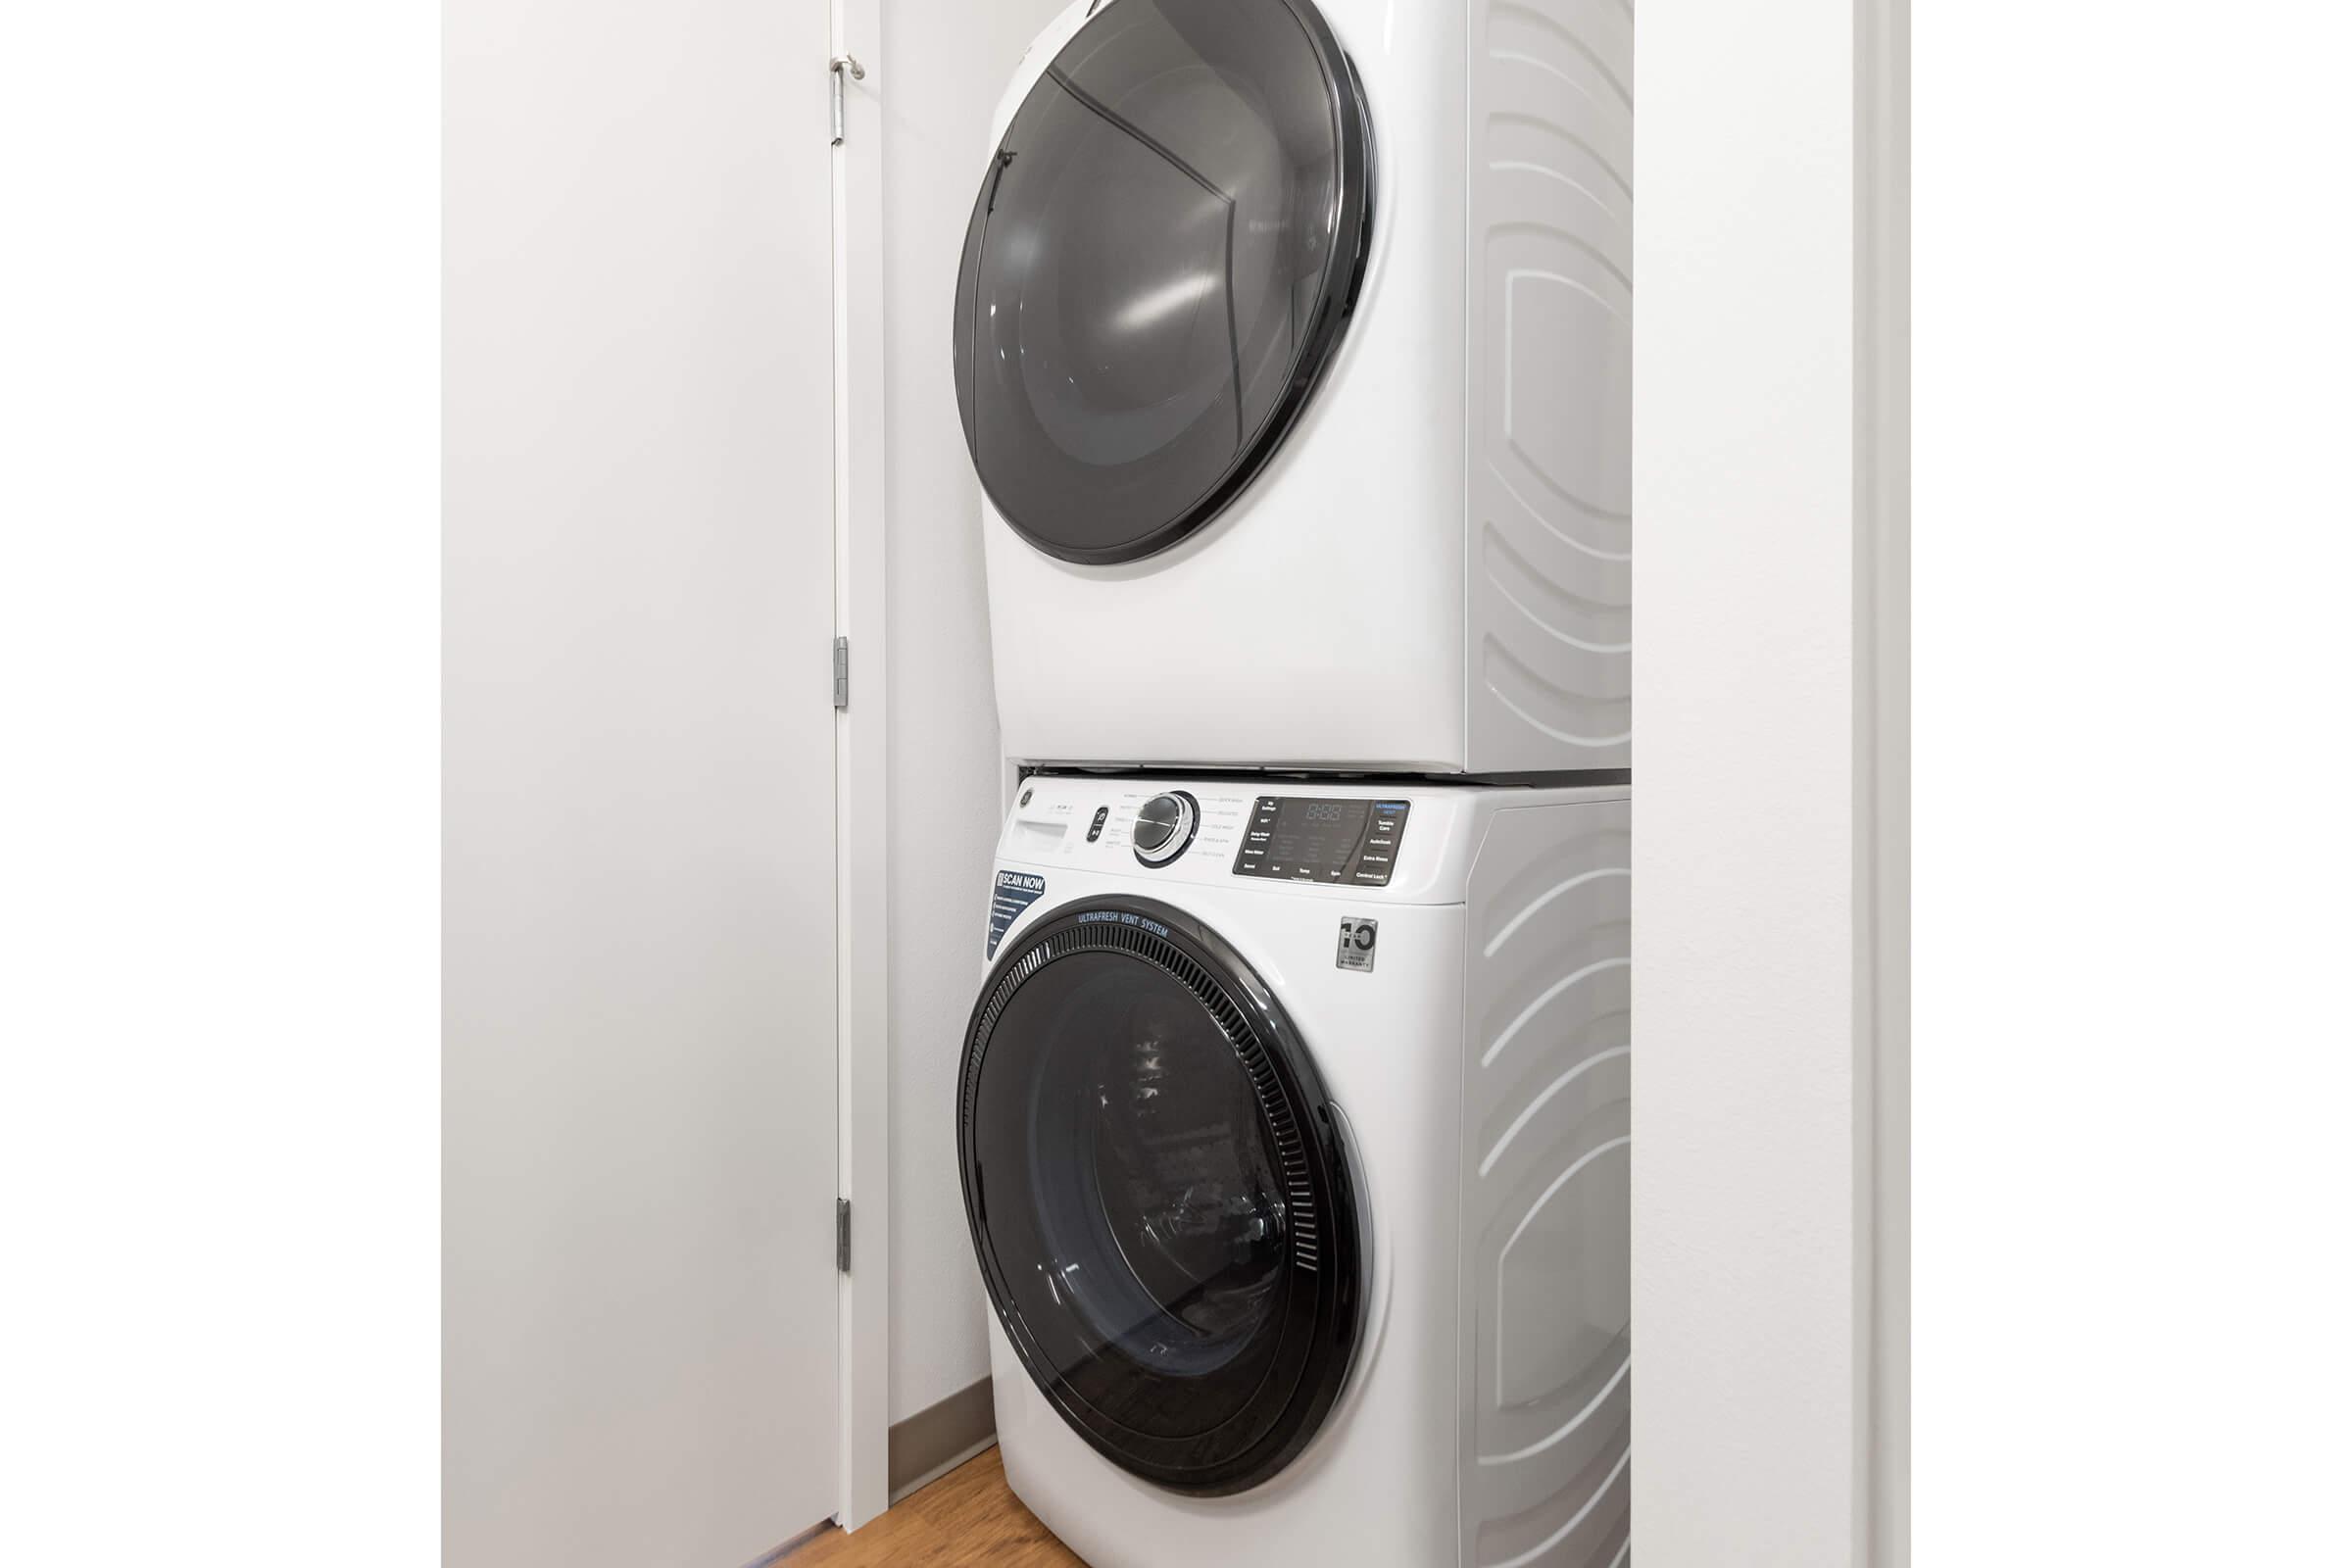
1768,491
942,65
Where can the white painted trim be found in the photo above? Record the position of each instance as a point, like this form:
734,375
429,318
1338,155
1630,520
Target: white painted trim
1770,849
862,764
1883,752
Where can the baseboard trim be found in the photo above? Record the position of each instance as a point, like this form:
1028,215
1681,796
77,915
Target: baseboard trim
932,1442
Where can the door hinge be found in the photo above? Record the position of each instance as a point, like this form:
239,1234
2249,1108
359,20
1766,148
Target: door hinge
841,67
841,1234
840,672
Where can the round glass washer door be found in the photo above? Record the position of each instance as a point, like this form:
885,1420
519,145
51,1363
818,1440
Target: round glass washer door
1159,1196
1162,259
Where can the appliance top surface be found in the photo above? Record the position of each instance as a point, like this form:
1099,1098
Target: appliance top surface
1383,842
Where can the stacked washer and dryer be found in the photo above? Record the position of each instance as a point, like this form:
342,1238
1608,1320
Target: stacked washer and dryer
1293,349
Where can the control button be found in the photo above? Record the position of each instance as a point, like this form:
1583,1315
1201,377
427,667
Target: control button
1093,829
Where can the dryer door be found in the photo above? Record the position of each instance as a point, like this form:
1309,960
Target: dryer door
1159,1196
1163,258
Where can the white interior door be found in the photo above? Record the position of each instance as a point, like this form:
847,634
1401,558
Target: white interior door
639,1336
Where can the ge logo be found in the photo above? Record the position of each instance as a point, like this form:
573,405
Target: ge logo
1357,940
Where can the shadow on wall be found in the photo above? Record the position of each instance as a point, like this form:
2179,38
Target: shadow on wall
941,67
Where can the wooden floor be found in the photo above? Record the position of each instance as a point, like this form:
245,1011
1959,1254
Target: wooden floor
967,1516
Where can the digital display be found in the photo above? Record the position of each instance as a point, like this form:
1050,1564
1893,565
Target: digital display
1353,843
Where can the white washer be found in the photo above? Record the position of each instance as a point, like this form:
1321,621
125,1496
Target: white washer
1293,1130
1293,345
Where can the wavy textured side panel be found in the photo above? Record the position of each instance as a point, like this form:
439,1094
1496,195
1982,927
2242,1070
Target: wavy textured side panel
1585,1526
1518,144
1599,626
1584,728
1585,51
1549,346
1547,1163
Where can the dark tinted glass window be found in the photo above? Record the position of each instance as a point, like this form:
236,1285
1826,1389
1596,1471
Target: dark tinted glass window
1161,259
1150,1206
1162,1212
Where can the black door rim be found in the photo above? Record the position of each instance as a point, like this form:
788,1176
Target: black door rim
1322,1321
1348,264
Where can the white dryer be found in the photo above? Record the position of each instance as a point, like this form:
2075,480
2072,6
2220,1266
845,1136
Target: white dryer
1293,348
1293,1130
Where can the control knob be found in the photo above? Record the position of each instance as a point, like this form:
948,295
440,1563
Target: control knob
1164,827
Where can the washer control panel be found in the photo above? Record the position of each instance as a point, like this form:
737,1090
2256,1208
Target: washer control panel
1298,838
1250,838
1309,838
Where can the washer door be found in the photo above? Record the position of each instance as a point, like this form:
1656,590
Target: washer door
1159,1196
1162,259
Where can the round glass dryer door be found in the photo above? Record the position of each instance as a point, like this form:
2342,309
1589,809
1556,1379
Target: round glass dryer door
1164,255
1159,1196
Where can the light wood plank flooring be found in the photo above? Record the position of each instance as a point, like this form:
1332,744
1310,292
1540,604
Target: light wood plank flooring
967,1516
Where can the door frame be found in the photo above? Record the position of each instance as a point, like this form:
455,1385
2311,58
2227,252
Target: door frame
1771,845
862,762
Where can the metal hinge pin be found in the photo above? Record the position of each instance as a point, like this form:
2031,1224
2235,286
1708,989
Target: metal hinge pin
841,67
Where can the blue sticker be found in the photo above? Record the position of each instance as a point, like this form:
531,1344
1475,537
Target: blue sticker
1015,892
